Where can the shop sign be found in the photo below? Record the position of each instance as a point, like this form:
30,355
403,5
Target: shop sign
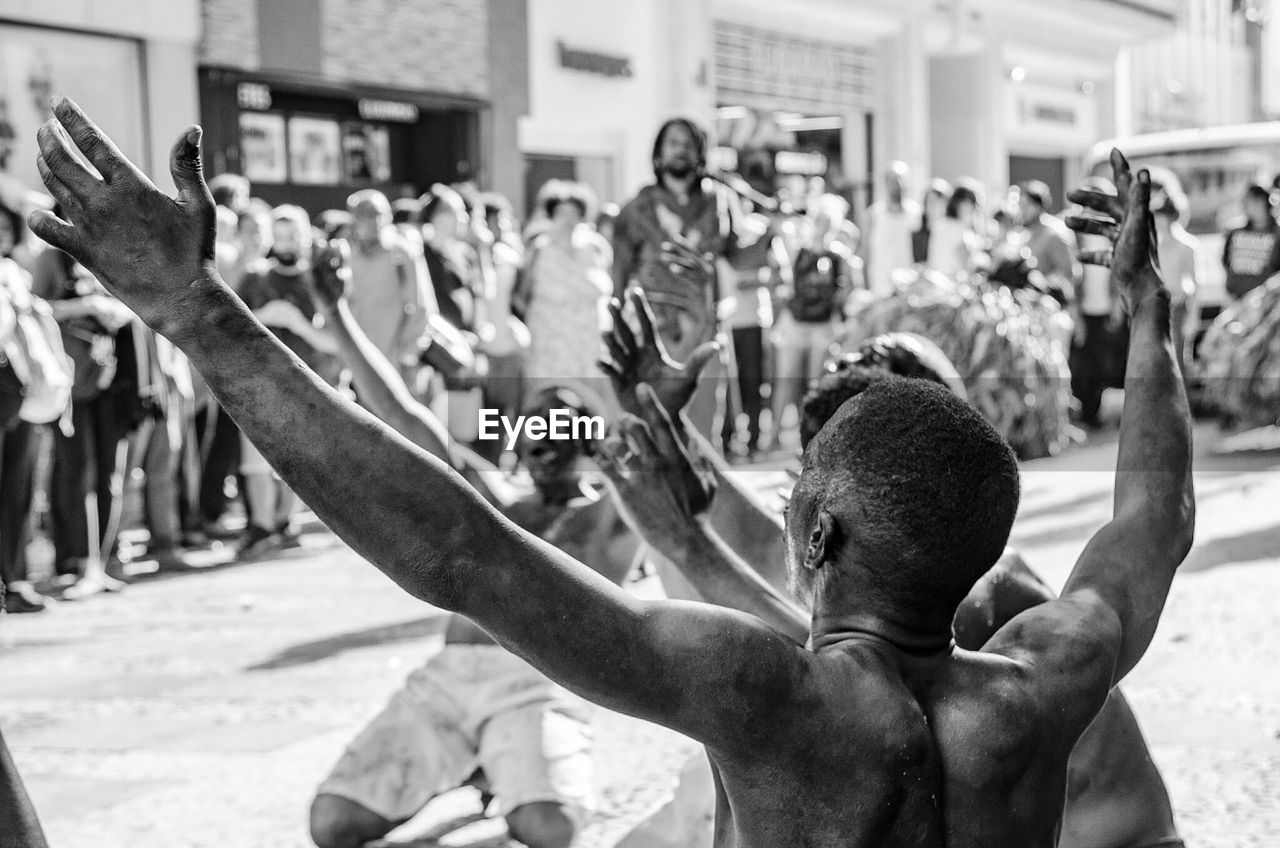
758,67
388,110
253,95
592,62
805,163
1042,114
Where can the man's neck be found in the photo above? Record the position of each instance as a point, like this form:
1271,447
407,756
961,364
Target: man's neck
830,629
681,187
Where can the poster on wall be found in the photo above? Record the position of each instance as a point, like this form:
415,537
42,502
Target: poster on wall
100,73
262,148
315,151
366,152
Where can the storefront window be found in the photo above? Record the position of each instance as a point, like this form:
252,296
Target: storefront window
262,147
315,151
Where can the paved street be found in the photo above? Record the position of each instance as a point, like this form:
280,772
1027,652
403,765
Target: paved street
202,709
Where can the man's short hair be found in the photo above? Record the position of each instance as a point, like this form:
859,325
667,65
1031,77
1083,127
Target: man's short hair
1038,192
923,485
293,214
369,197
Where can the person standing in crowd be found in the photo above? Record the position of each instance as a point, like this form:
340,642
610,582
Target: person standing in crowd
502,338
564,294
102,338
1052,245
449,264
279,296
668,241
758,270
1179,257
19,439
933,210
231,191
391,294
810,312
887,238
217,435
1251,253
954,241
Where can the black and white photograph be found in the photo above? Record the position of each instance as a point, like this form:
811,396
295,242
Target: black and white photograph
639,423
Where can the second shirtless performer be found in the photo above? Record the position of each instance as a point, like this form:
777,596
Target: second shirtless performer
878,732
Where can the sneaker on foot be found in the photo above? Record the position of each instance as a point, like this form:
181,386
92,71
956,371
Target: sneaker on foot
259,542
21,597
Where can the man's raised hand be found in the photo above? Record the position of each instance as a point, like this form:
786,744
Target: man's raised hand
148,249
330,278
662,486
633,361
1125,219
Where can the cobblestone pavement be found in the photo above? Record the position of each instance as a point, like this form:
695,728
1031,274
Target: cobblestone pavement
202,709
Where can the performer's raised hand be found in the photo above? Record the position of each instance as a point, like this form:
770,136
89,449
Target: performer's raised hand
152,251
330,278
1125,218
661,483
633,361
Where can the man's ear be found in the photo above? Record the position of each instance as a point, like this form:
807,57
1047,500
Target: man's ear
823,541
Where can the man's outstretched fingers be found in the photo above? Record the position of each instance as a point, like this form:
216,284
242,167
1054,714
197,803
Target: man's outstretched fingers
66,197
93,142
1099,201
1094,224
185,167
55,231
61,162
645,316
1121,175
616,352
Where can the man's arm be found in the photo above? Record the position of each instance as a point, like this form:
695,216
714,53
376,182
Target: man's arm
383,390
664,496
1098,630
713,674
19,825
625,251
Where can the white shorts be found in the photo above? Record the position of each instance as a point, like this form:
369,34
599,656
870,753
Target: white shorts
469,707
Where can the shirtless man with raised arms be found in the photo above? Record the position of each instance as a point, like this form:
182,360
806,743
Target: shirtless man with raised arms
879,731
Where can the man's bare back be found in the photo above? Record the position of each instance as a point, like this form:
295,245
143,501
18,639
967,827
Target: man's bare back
979,750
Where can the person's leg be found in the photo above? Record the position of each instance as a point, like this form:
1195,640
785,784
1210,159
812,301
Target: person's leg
537,758
221,459
70,484
19,825
748,344
111,449
787,377
17,475
161,497
413,750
